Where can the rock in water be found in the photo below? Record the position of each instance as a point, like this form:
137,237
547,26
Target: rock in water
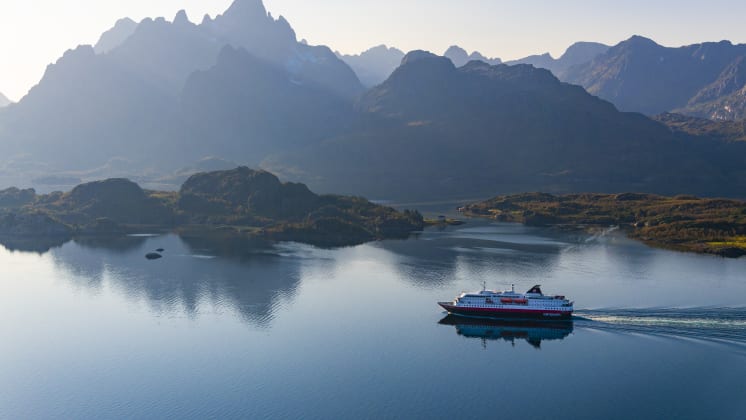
160,250
153,256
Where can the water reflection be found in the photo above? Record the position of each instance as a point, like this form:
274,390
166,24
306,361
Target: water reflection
195,274
116,243
534,332
240,247
36,245
485,253
202,273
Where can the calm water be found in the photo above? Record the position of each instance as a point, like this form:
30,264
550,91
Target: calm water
93,330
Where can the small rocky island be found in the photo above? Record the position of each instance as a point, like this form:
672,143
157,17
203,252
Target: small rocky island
687,223
237,202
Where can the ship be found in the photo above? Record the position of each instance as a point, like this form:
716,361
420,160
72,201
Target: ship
510,304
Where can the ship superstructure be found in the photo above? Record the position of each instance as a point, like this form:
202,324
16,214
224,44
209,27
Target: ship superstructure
490,303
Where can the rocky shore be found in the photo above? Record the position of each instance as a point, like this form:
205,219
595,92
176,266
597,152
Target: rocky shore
686,223
241,201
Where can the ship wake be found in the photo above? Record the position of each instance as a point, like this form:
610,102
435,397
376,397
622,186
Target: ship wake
712,324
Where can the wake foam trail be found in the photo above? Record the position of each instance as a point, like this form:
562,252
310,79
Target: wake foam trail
720,324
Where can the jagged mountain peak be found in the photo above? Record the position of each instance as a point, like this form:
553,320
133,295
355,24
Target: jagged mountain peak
381,47
583,51
455,49
460,56
248,19
79,52
418,65
428,85
246,9
418,55
181,18
375,64
457,55
115,36
640,75
637,41
246,23
476,65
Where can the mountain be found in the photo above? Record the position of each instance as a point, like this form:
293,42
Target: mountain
4,101
578,53
115,36
93,109
374,65
136,101
723,99
459,56
248,25
165,53
640,75
435,130
248,109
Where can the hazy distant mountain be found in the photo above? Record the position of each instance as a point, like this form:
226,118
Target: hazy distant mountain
127,103
241,87
115,36
459,56
723,99
640,75
577,53
4,101
248,109
166,53
92,109
433,130
374,65
247,24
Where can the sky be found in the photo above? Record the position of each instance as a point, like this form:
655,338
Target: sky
35,33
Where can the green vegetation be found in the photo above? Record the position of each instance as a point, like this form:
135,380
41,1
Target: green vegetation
687,223
238,202
729,131
443,221
737,242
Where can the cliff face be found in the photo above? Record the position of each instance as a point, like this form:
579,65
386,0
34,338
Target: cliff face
639,75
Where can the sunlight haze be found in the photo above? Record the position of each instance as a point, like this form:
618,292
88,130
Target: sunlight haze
35,33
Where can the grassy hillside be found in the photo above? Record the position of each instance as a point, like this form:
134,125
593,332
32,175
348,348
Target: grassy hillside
688,223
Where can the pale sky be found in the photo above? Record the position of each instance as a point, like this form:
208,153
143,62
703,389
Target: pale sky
34,33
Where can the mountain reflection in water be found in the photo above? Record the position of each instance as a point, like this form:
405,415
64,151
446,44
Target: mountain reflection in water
534,332
248,276
238,329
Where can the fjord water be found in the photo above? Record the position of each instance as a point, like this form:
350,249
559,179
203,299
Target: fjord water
90,329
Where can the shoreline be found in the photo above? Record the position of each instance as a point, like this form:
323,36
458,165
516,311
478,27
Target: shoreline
680,223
